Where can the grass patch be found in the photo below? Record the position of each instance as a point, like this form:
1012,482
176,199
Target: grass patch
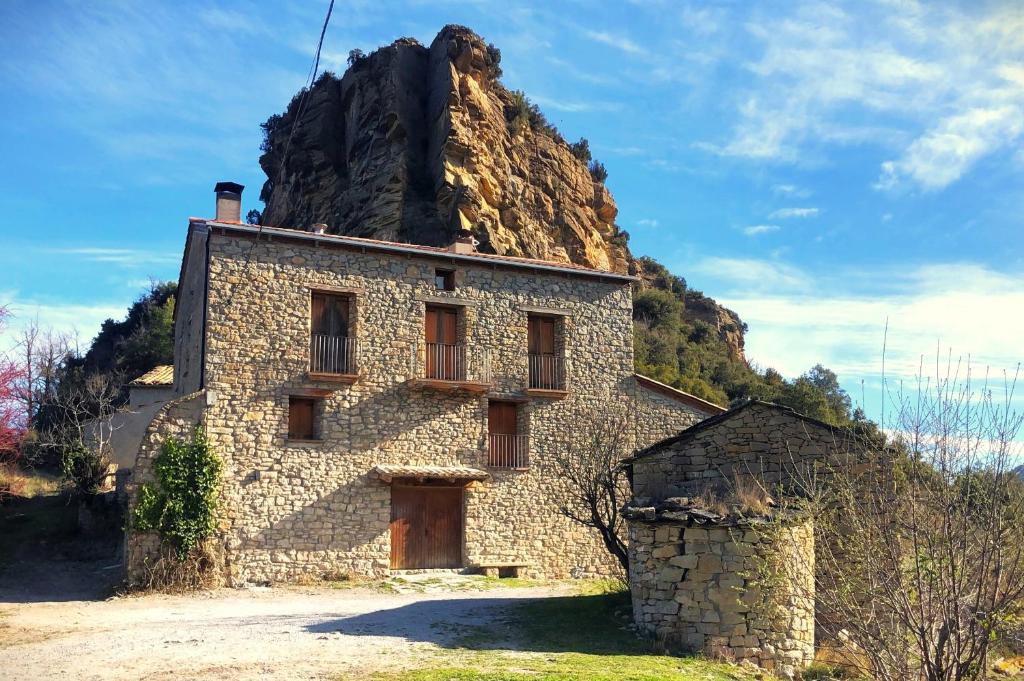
571,638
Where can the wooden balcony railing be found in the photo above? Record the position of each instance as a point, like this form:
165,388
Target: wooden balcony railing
333,355
547,372
508,451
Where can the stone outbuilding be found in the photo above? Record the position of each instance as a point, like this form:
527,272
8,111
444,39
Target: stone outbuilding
707,573
734,588
768,442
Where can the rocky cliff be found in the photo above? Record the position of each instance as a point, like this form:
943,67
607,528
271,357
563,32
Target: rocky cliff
414,143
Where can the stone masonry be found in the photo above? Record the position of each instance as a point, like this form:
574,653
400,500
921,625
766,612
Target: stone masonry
768,442
727,591
303,509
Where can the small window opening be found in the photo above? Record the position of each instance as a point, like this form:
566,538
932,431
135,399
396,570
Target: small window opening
444,280
301,418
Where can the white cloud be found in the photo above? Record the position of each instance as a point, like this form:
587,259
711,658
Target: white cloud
117,256
794,213
791,190
649,223
754,230
940,87
78,320
751,274
617,41
575,106
797,319
944,153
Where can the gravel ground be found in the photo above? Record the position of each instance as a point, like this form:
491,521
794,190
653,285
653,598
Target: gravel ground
281,633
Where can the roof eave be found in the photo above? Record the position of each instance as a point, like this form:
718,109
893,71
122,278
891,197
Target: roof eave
365,244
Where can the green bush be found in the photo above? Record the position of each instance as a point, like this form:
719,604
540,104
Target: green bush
492,59
581,150
521,113
597,171
182,506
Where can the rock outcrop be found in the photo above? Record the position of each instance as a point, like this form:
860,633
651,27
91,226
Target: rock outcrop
414,143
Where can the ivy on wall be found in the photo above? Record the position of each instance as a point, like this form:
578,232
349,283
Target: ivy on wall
182,505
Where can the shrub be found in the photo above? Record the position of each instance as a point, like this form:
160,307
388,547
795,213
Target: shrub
84,467
492,59
356,57
521,113
581,150
182,506
597,171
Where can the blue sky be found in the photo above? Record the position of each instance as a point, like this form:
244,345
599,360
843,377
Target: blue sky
818,167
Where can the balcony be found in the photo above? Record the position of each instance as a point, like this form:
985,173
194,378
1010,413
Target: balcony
547,375
508,451
451,367
333,358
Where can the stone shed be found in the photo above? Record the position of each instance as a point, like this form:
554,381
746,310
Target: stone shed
767,442
734,588
695,552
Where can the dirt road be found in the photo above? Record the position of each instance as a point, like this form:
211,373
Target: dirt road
291,633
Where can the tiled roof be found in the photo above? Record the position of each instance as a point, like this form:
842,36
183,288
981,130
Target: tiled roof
158,376
386,472
360,242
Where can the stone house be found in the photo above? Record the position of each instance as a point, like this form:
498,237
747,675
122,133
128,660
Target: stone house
694,573
384,406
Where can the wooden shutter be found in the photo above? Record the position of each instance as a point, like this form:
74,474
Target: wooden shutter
501,418
300,418
541,339
329,315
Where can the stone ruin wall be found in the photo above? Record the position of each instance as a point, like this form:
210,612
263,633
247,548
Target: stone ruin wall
175,419
705,590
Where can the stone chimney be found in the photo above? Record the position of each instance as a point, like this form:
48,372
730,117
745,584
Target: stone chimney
229,201
464,242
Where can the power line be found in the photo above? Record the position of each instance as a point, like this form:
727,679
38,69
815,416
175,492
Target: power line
295,124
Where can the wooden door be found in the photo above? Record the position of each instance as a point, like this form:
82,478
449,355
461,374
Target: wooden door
442,347
541,346
426,527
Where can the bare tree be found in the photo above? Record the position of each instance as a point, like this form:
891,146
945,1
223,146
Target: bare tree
40,353
921,556
83,421
595,484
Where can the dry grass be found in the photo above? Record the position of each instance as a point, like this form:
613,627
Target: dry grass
743,495
16,482
202,569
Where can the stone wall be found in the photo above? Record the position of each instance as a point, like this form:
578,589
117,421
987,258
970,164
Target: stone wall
657,416
767,442
305,509
176,418
189,315
730,592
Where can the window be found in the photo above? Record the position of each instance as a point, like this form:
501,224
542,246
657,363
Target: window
444,280
506,447
546,366
446,358
301,418
331,351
